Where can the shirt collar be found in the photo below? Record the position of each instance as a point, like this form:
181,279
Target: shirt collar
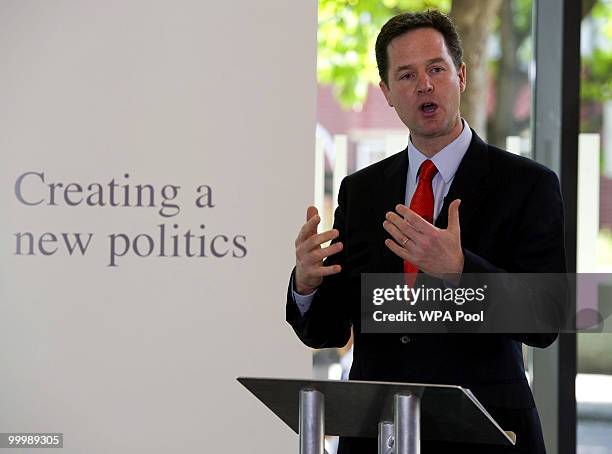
447,160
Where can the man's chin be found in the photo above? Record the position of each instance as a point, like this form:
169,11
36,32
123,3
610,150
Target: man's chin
430,132
433,129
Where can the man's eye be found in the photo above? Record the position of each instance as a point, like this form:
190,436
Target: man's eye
437,69
407,76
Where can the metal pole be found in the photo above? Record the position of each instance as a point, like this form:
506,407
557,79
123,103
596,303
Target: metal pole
385,437
312,421
407,422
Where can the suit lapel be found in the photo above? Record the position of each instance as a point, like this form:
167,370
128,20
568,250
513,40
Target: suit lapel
393,192
469,183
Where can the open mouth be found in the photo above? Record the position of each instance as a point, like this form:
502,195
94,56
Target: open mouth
428,107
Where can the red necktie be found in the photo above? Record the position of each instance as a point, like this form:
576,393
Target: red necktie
422,203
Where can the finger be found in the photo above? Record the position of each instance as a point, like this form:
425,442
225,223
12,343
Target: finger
403,226
401,238
317,240
413,218
311,211
328,270
398,250
453,216
317,256
308,229
328,251
321,270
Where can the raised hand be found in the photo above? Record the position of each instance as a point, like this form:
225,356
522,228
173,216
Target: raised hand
434,251
309,255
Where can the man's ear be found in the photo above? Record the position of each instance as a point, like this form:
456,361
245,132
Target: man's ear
462,73
385,90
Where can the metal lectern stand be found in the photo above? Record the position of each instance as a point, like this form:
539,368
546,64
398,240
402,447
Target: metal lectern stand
399,414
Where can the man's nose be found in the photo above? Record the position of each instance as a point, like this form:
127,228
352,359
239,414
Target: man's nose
424,85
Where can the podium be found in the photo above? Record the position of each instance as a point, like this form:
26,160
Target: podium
399,414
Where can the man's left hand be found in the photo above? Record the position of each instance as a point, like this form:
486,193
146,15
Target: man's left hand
434,251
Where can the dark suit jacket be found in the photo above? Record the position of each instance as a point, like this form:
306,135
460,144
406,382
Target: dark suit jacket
511,218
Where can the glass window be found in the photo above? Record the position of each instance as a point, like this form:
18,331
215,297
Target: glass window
594,380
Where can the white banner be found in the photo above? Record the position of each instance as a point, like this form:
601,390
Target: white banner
157,161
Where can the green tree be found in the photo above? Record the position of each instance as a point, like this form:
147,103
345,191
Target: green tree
596,84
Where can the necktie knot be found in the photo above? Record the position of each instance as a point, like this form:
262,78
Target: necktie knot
427,171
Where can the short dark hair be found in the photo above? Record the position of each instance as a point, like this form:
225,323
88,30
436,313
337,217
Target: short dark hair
405,22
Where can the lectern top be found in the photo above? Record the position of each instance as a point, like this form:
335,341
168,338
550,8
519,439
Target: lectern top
354,408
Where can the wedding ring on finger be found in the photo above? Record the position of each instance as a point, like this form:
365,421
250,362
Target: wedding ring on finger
404,242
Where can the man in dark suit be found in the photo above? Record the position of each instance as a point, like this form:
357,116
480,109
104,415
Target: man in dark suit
492,212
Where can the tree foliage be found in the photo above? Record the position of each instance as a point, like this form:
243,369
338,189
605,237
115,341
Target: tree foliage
596,83
346,38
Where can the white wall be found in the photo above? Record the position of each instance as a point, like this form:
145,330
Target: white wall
143,356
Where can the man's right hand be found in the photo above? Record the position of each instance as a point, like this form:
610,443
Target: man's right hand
309,255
